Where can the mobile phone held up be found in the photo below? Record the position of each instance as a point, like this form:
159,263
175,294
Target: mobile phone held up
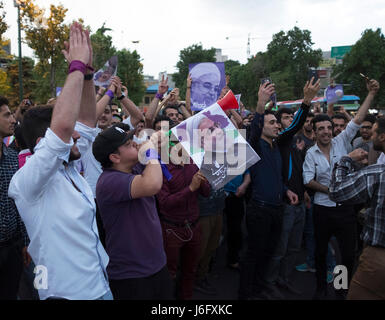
274,96
312,74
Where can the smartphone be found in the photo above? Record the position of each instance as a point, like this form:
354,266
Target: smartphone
274,96
313,74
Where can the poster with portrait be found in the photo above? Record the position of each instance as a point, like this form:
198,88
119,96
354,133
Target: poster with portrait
215,146
208,80
334,93
102,77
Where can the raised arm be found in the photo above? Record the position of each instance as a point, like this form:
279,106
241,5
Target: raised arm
151,112
105,100
67,108
87,114
188,94
373,86
134,112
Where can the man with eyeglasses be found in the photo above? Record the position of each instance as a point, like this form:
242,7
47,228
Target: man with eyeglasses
205,89
365,141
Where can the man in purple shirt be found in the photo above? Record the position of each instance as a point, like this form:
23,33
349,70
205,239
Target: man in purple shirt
179,214
125,195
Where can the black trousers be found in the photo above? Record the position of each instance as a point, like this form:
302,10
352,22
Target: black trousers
234,211
264,226
340,222
11,267
158,286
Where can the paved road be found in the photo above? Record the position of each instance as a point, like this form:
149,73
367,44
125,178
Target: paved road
226,281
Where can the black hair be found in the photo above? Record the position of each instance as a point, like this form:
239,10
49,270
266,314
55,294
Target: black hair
162,118
282,111
170,107
370,118
340,116
3,101
19,138
320,118
310,115
36,121
380,125
270,112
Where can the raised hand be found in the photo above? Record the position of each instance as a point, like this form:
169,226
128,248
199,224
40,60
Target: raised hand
373,86
310,91
78,47
163,86
266,90
358,155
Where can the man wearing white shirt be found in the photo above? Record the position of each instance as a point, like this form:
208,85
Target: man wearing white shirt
329,217
53,199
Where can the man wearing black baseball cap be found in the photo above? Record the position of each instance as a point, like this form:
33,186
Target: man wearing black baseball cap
125,196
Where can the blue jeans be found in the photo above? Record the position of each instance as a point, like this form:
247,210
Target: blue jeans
308,233
289,244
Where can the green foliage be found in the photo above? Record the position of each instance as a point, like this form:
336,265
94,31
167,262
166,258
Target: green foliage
192,54
29,83
3,24
102,47
289,57
367,56
130,71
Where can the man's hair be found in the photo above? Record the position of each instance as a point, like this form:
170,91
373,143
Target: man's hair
380,125
370,118
3,101
310,115
162,118
340,116
320,118
170,107
270,112
19,138
36,121
282,111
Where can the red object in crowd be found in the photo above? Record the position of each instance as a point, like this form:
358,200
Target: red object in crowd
228,102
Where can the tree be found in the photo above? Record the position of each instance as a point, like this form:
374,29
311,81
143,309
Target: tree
367,56
46,37
29,83
4,57
192,54
102,47
130,71
289,56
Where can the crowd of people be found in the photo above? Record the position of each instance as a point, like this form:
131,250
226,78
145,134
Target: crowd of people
86,199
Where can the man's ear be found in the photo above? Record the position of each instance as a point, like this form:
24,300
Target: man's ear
114,158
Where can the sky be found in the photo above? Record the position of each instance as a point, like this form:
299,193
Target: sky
165,27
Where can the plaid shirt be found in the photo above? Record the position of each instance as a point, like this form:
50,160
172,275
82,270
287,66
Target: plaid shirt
11,225
362,186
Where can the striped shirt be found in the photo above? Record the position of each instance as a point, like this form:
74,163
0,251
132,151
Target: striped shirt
11,225
362,186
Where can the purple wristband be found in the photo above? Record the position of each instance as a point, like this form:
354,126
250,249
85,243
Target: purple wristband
159,96
77,65
110,94
151,154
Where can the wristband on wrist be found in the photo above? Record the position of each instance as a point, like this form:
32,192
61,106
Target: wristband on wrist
77,65
88,76
121,97
110,94
159,96
152,154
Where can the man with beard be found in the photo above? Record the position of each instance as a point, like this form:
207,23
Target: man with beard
54,200
365,141
365,186
331,218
